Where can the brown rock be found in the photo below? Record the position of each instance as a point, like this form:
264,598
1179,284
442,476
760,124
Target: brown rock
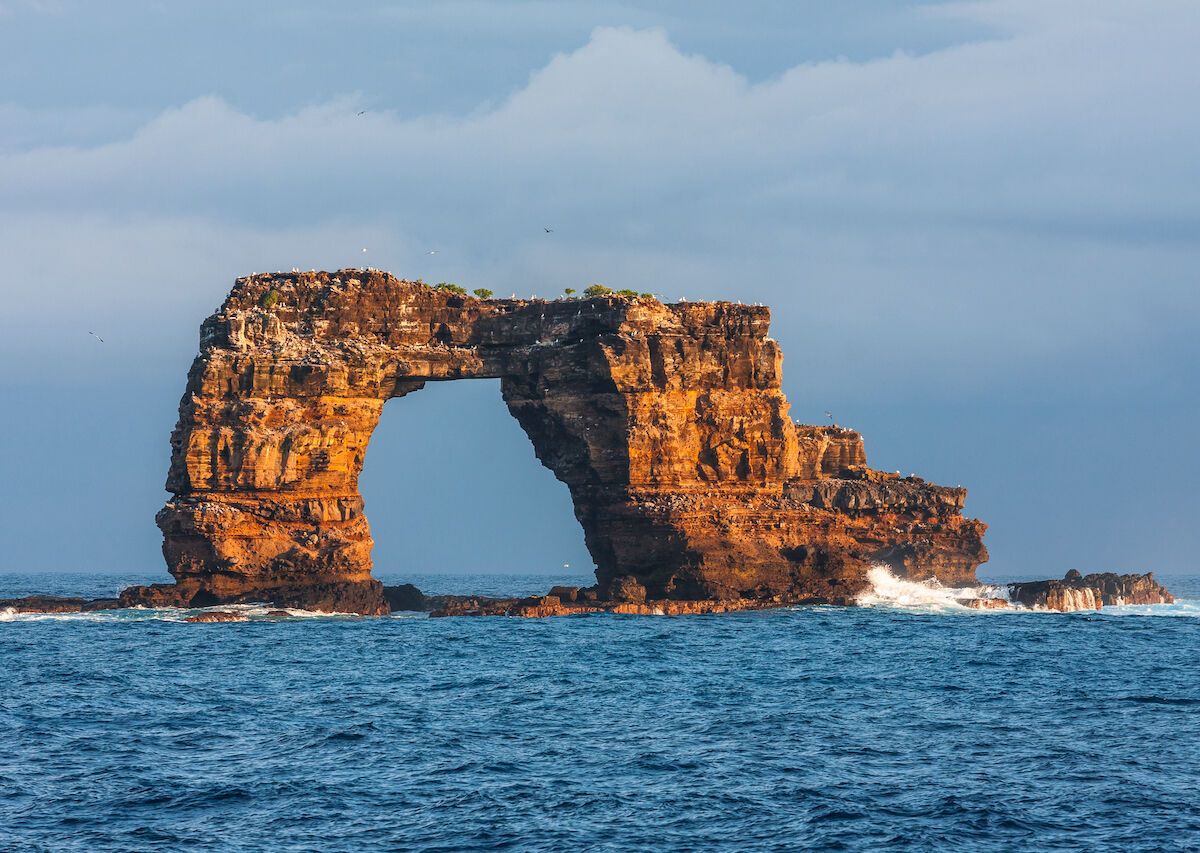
217,616
987,603
626,588
666,422
44,604
404,597
1090,592
565,593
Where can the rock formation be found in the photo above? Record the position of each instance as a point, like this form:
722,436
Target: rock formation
666,422
57,604
1089,592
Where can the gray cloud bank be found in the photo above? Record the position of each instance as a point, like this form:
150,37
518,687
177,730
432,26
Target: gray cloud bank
982,254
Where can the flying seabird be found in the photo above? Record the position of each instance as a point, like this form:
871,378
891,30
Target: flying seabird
547,230
97,337
362,112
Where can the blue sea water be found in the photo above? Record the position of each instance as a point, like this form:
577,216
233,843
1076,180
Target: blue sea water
910,725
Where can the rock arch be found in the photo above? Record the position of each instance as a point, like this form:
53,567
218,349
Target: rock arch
666,422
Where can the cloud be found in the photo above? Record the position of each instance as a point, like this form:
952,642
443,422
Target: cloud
990,246
1030,129
925,201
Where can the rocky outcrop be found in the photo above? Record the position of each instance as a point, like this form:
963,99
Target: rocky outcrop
404,597
666,422
542,606
1089,592
57,604
218,616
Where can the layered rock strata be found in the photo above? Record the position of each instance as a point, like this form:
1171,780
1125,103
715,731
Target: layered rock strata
667,423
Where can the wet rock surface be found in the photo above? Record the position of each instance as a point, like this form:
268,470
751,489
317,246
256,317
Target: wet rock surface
404,597
1090,592
218,616
57,604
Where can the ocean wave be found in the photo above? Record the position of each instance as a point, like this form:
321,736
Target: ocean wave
887,590
930,596
1185,607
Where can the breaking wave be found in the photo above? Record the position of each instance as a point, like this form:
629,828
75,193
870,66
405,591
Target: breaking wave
930,596
887,590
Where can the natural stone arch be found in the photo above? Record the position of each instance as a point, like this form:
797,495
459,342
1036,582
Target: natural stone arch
666,422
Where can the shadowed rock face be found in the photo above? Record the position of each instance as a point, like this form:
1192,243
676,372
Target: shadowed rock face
1090,592
666,422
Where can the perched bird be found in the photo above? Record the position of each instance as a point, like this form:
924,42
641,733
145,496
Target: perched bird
97,337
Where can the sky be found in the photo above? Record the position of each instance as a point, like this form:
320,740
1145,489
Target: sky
977,224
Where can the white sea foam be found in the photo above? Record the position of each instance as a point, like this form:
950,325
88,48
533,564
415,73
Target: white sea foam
1186,607
887,590
930,596
253,612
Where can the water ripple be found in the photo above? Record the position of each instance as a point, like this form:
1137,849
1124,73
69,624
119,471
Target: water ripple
810,728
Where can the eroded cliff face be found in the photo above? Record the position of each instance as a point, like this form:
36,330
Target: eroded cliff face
666,422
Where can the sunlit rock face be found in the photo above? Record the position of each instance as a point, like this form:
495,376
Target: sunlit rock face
666,422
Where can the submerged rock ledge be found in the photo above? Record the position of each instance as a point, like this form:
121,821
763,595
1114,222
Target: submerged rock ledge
695,489
1074,593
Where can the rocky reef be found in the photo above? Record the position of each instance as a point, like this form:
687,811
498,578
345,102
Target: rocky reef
1089,592
666,422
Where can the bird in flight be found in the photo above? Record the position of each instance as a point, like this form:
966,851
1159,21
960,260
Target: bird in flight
97,337
432,252
830,416
362,112
547,230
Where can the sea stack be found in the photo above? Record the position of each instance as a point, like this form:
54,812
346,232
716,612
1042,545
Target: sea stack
666,422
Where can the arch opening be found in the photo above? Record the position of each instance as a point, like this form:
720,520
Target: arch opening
451,485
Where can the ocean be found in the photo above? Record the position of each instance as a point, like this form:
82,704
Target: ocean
911,724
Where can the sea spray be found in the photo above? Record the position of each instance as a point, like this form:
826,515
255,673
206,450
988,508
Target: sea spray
887,590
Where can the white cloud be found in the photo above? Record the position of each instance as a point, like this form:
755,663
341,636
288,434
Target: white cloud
1005,232
919,204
